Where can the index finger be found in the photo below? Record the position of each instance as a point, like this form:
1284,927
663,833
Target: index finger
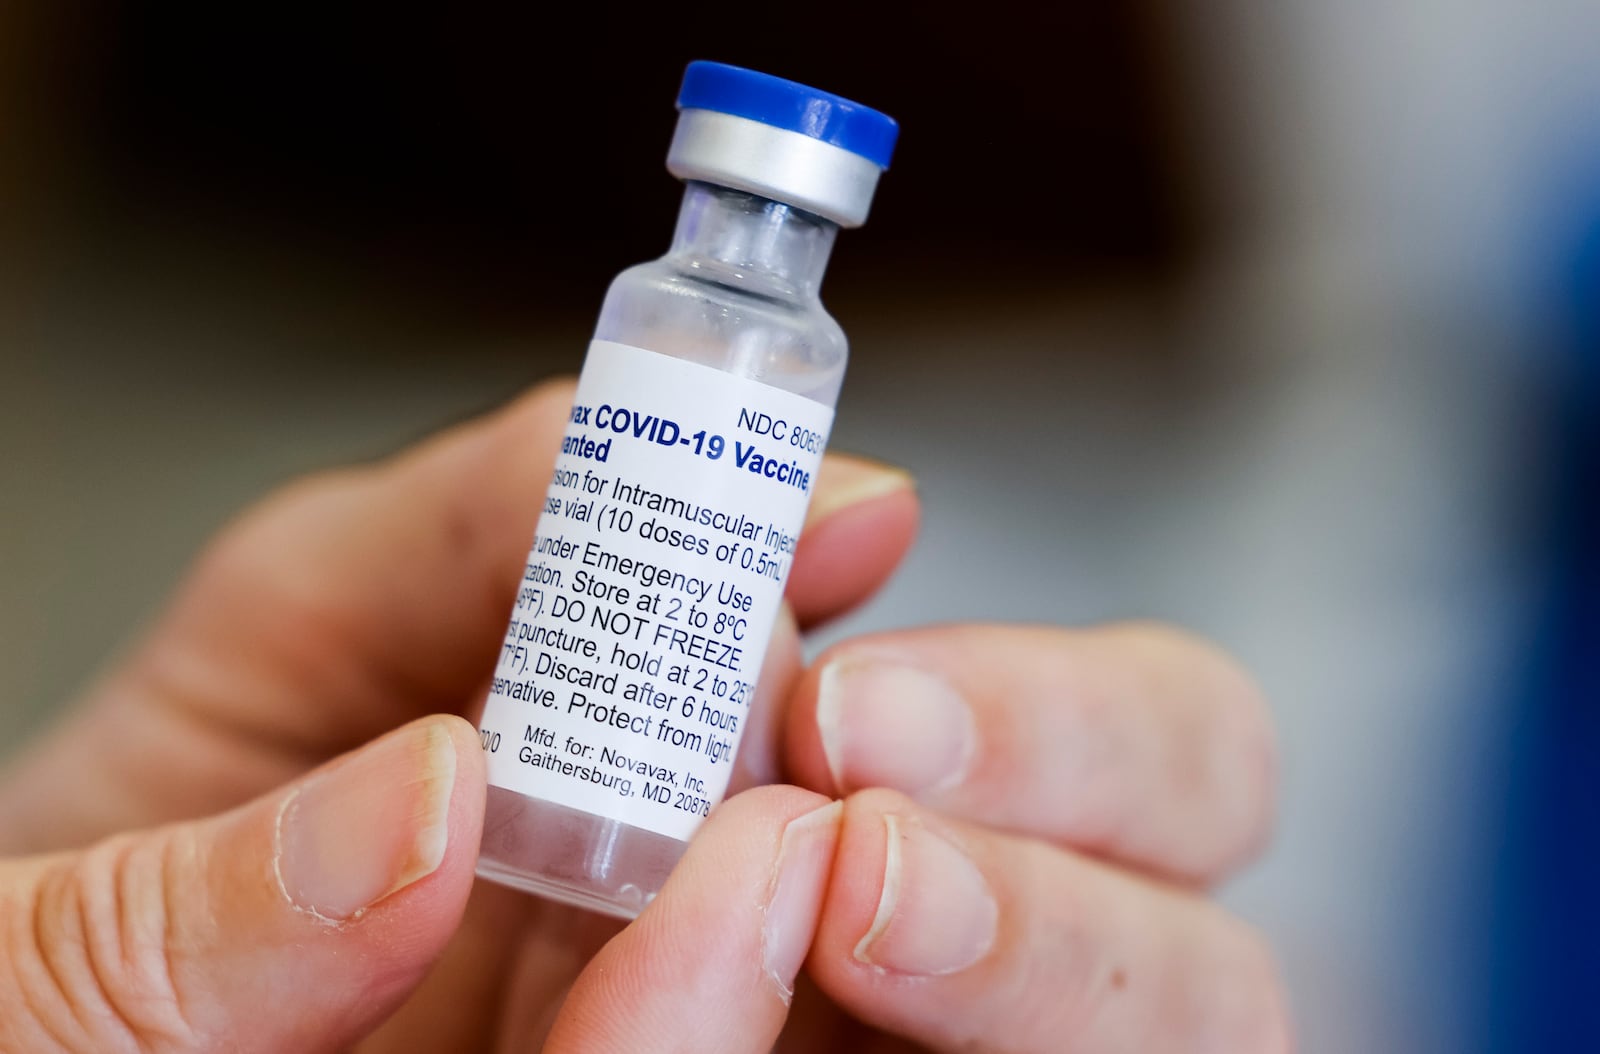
405,574
1136,742
356,600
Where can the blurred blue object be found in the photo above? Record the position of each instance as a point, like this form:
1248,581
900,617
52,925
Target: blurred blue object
1546,926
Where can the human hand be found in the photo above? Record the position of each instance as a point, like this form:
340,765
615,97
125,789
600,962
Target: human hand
1070,793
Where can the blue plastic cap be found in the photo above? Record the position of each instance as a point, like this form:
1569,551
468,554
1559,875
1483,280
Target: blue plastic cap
793,107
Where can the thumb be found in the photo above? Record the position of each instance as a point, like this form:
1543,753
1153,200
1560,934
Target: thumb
710,965
296,922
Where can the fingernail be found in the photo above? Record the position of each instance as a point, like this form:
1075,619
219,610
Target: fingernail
887,725
370,826
853,480
805,856
936,914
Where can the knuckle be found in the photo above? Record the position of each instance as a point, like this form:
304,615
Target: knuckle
551,395
246,553
1062,982
1233,719
1090,733
1255,1020
102,975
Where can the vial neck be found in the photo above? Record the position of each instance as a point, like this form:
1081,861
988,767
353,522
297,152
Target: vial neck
747,241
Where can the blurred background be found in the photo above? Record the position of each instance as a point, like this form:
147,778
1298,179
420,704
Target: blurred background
1278,321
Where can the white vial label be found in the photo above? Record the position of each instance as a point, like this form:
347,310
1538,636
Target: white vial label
630,663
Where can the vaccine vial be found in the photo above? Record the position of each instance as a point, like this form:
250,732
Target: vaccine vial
661,553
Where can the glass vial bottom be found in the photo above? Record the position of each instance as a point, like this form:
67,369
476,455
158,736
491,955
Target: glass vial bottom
572,856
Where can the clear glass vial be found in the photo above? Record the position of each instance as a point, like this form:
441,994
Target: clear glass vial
773,170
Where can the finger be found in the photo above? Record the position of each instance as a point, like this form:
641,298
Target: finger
710,965
458,1005
386,587
351,602
964,939
408,572
1134,742
339,607
860,524
858,529
500,982
294,923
